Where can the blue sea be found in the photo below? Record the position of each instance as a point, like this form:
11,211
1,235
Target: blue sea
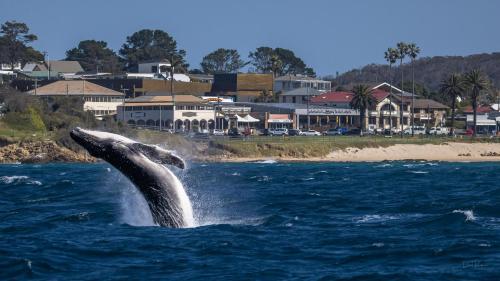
256,221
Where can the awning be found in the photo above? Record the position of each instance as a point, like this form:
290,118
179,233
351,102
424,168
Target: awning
279,121
246,119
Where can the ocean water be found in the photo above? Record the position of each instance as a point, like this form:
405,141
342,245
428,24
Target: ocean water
256,221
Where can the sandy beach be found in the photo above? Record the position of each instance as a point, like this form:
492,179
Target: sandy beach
449,152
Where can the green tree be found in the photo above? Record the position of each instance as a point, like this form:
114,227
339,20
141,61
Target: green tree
95,56
14,44
476,83
362,100
452,87
222,61
261,59
280,61
148,44
413,51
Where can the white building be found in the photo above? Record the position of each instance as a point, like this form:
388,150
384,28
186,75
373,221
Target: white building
292,82
157,69
189,113
100,100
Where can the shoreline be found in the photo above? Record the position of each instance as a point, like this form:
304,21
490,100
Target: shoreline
447,152
49,152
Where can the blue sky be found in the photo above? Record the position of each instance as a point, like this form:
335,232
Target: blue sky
330,36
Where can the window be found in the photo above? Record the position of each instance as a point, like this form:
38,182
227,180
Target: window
294,99
154,69
180,107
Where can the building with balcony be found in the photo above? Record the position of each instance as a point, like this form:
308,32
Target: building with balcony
180,113
291,82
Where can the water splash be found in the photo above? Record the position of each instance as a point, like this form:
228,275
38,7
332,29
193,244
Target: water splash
469,214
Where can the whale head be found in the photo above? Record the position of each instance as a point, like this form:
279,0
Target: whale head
117,149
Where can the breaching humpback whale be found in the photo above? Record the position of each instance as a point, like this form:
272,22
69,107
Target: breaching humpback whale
144,166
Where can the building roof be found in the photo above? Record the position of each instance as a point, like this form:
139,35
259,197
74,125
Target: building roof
336,96
155,61
74,88
291,77
427,103
164,100
346,97
60,66
302,92
480,109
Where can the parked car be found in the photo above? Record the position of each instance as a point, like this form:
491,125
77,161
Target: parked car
335,131
265,132
372,129
294,132
353,132
218,132
417,130
469,132
233,132
311,133
278,132
439,131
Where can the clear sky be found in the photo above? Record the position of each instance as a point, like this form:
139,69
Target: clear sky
330,36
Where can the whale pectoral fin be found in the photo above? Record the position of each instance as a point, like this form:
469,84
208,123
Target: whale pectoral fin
159,155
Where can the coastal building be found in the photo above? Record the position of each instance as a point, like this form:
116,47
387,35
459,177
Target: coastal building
157,69
97,99
179,113
302,116
51,69
384,114
291,82
486,119
429,113
243,87
299,95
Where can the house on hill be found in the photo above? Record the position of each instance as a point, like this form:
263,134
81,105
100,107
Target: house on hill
52,69
97,99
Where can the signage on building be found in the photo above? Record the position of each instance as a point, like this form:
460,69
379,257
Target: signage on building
189,114
138,114
327,111
218,99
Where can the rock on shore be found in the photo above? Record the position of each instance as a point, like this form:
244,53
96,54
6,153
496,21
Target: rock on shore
40,152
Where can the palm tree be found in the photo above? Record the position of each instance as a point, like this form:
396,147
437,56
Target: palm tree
390,56
476,83
452,87
362,100
413,51
402,49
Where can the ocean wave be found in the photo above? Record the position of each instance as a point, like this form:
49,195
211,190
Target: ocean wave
469,214
18,180
374,218
418,172
268,161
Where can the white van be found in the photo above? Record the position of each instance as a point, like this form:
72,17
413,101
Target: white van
439,131
417,130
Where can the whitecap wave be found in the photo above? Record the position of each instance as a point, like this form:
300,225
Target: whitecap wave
268,161
19,179
469,214
419,172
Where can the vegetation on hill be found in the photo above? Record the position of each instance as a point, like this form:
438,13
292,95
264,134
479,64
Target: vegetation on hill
429,72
